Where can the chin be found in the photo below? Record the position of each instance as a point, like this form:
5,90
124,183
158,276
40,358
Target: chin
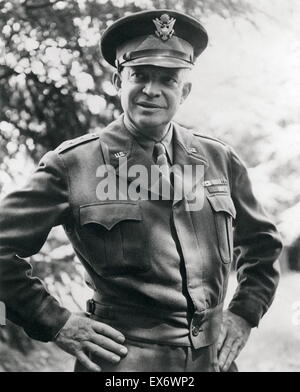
151,123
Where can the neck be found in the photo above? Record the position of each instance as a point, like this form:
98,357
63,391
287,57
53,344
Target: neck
155,134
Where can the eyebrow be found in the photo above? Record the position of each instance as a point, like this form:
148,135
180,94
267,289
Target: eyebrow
173,71
163,72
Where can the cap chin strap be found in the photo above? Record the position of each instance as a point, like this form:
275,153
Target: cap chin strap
169,53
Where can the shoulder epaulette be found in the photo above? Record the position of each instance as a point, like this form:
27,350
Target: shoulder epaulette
210,138
75,142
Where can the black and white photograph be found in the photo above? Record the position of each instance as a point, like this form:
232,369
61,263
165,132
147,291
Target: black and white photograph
149,188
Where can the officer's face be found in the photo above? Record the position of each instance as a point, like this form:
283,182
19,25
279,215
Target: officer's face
150,95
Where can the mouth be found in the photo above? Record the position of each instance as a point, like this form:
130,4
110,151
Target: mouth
149,105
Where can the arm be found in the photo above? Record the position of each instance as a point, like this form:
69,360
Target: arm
259,245
26,218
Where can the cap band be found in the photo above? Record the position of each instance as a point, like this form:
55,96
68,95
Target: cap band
155,53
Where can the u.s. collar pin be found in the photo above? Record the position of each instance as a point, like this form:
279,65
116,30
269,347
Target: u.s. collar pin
193,149
120,154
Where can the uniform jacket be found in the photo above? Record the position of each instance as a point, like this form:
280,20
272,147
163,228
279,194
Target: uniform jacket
110,237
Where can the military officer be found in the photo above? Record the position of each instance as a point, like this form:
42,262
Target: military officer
158,265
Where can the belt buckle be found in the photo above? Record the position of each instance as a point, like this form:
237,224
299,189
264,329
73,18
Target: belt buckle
90,306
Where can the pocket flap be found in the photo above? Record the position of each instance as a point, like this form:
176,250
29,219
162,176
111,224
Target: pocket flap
222,203
109,214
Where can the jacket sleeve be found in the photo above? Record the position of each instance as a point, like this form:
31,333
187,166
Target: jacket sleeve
26,218
257,246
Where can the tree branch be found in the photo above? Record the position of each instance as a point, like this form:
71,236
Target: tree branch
41,5
8,72
6,138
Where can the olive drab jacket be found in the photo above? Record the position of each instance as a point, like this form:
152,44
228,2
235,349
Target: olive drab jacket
112,240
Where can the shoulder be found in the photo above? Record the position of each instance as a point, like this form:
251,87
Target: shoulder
224,149
210,140
200,137
209,146
67,155
77,142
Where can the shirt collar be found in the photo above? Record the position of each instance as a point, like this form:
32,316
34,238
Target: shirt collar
148,144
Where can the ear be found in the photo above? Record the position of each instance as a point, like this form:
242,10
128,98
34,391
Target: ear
185,91
117,81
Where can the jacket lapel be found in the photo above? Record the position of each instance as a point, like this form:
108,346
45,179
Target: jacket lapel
190,163
122,153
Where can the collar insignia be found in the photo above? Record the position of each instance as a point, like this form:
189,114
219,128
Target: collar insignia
164,27
120,154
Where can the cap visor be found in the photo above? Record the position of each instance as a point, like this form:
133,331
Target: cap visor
159,62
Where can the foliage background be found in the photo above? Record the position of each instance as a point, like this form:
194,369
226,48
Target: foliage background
54,86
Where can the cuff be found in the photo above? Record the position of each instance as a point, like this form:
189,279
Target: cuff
252,310
47,325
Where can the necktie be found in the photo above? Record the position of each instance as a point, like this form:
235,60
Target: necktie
160,155
161,159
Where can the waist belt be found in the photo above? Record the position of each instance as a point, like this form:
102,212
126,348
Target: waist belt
161,327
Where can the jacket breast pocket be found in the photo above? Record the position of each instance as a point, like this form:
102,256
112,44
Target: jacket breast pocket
114,237
224,213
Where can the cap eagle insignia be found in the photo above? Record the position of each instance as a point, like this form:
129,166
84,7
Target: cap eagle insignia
164,27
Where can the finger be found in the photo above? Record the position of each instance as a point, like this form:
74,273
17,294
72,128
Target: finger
222,337
107,330
108,344
87,363
225,351
235,350
101,353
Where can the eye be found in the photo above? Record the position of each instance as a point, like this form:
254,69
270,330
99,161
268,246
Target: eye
170,80
138,76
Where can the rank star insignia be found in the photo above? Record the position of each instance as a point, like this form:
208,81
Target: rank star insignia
164,27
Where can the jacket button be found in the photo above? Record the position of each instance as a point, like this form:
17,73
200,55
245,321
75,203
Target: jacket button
195,330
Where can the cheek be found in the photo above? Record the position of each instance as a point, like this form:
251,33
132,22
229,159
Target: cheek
125,99
174,100
125,93
131,97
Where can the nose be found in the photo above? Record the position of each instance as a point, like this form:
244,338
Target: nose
152,89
